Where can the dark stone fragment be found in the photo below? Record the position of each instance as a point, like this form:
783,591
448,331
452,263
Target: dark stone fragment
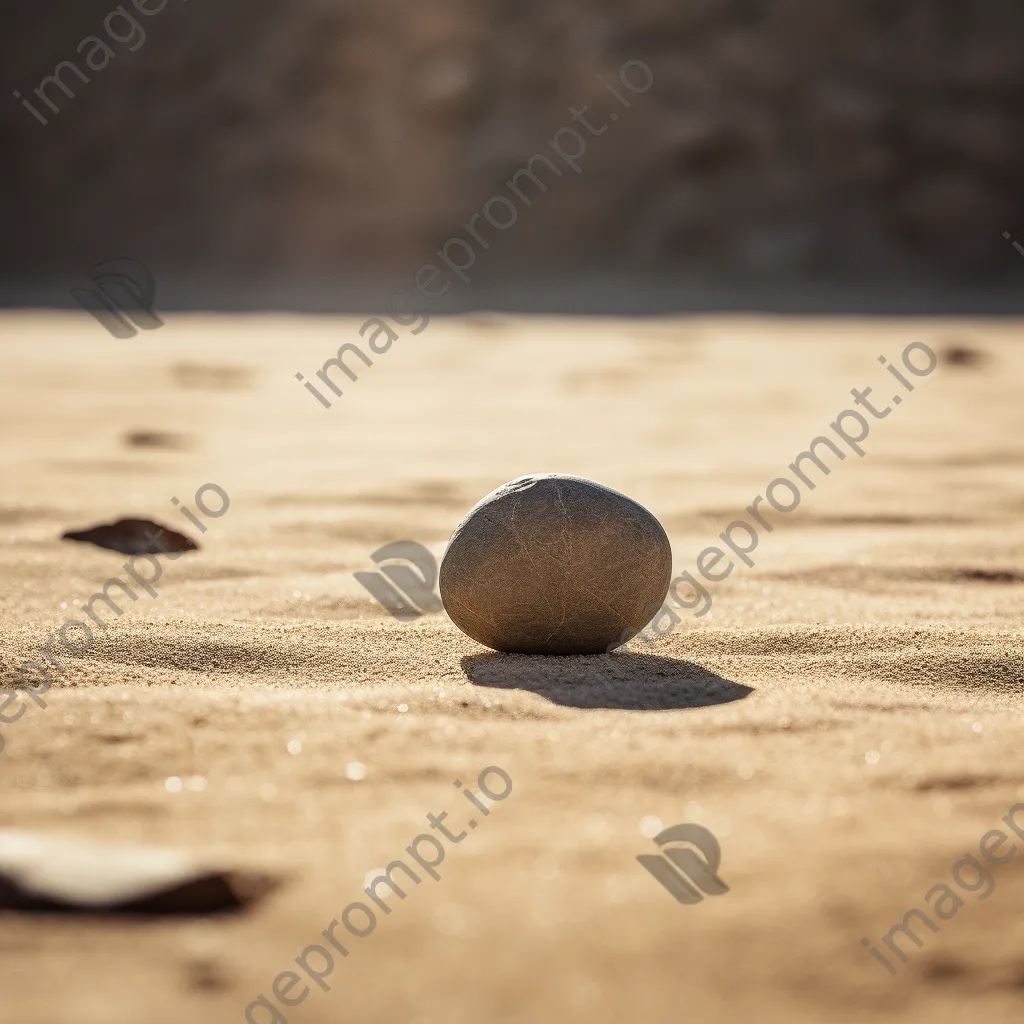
133,537
956,354
156,439
54,874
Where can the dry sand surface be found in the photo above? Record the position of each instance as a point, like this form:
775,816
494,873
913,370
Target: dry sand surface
846,721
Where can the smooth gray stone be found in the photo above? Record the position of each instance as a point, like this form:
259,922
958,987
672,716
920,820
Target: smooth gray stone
555,564
54,874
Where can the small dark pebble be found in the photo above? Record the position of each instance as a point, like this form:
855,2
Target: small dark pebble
133,537
962,355
156,439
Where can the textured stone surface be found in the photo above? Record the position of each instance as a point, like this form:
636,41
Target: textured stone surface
555,564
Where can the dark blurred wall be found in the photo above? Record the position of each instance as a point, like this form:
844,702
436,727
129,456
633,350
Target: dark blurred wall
251,145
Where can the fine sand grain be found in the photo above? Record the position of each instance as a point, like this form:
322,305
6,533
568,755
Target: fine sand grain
846,721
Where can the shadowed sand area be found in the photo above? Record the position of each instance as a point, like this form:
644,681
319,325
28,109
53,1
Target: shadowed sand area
846,721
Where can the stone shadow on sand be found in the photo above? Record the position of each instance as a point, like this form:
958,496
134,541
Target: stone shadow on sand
623,680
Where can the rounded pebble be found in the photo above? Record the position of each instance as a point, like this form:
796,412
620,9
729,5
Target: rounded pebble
555,564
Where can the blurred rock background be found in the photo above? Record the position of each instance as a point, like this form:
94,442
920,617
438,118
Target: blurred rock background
320,150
